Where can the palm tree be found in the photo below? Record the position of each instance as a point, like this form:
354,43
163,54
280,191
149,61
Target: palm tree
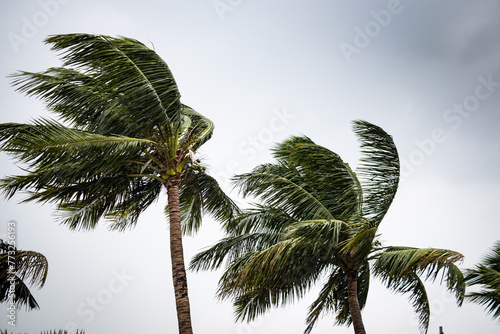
124,136
318,221
486,274
18,269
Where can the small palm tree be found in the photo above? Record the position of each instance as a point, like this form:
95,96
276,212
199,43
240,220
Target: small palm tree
486,274
18,269
318,221
124,136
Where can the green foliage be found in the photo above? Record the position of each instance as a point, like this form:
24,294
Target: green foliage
122,134
120,137
486,276
18,269
317,222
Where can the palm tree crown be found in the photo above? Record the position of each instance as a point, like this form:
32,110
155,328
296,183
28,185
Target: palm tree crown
319,219
123,136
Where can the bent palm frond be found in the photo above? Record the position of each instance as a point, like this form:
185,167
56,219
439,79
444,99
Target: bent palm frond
199,194
17,269
400,267
486,275
136,73
379,169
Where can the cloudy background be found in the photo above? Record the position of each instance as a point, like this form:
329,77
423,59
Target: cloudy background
427,72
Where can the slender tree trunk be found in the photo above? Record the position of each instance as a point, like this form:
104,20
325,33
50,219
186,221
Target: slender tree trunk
352,295
177,254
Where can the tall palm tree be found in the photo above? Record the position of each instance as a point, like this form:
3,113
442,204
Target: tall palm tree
486,274
124,136
318,221
18,269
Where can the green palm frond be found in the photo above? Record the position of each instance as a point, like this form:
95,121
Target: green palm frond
231,248
400,267
320,168
198,130
411,284
261,218
331,299
200,194
486,275
19,268
149,94
379,169
273,183
21,296
394,260
77,98
249,279
317,231
45,141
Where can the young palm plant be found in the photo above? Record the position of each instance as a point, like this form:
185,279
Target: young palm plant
318,221
123,136
18,269
486,274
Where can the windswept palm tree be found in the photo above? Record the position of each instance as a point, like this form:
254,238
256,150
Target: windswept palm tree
18,269
123,136
486,275
318,221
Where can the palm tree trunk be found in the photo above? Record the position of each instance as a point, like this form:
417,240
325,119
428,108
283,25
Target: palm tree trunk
177,254
352,295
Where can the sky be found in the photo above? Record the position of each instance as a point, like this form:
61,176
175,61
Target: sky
427,72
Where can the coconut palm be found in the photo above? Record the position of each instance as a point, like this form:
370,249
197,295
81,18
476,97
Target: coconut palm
122,136
18,269
486,274
317,221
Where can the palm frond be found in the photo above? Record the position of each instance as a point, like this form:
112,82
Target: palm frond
199,130
318,233
399,268
260,218
331,299
127,68
282,188
200,194
411,284
231,248
486,275
17,269
77,98
323,169
379,169
50,147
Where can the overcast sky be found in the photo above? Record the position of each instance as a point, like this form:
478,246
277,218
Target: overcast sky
427,72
